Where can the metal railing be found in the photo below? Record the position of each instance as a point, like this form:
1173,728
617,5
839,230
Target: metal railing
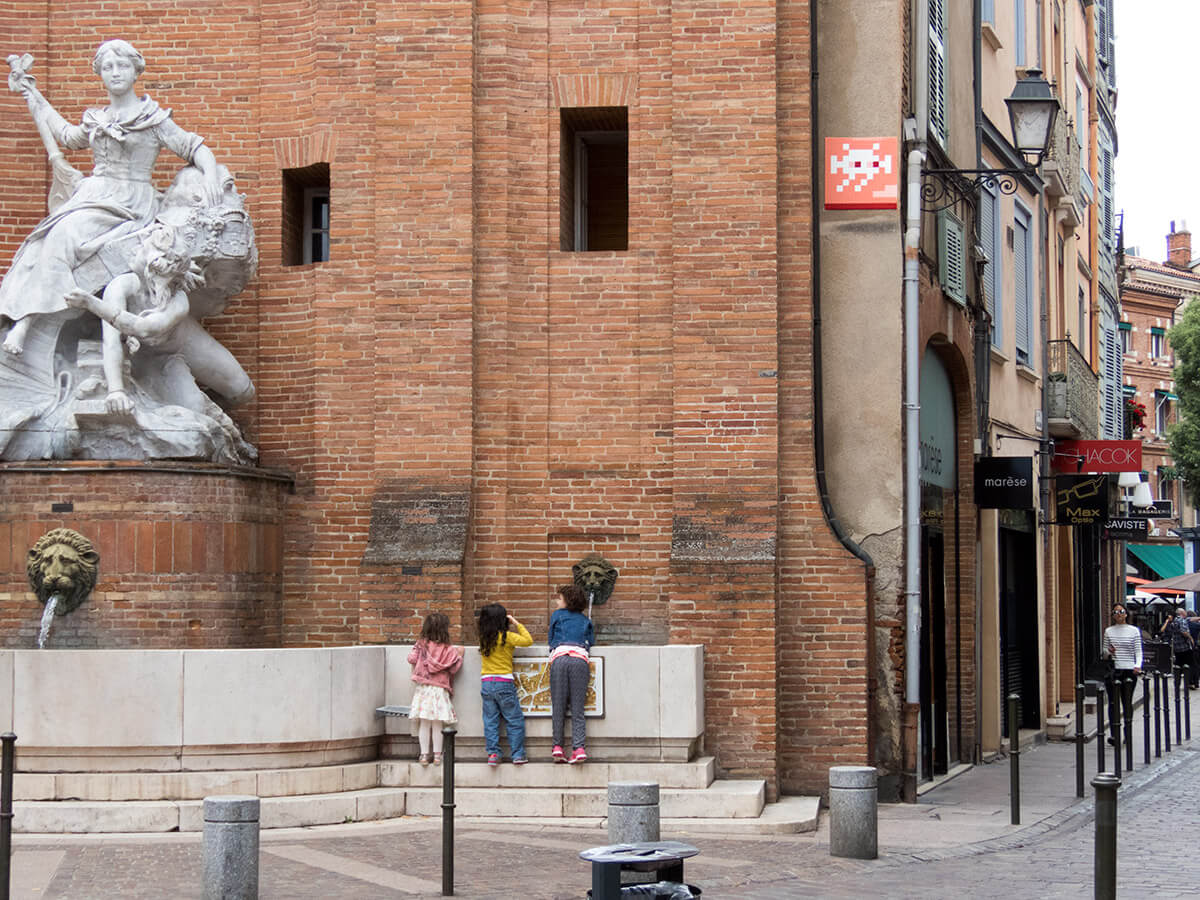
1072,392
1062,156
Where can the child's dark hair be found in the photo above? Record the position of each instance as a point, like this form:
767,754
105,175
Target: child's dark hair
436,628
573,597
493,627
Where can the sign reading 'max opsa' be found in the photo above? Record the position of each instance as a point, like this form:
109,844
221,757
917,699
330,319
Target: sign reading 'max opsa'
1081,499
1004,482
1097,456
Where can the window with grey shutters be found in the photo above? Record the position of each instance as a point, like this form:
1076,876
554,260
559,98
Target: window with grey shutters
1019,31
937,70
952,262
1113,408
1023,285
993,281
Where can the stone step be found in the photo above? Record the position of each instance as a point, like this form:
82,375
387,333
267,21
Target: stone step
735,805
721,799
113,786
698,773
110,786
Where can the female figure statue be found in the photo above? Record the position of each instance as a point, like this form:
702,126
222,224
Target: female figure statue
116,200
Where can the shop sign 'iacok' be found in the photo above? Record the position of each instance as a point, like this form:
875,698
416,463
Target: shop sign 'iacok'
1097,456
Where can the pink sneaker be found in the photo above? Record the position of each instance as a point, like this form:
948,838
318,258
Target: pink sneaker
493,759
558,754
580,755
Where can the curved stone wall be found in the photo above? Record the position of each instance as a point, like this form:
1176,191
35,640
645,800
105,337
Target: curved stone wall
190,554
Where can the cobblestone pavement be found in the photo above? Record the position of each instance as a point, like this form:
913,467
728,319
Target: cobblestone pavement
1050,858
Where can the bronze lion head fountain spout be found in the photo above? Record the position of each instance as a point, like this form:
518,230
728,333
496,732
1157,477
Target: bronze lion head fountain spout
62,567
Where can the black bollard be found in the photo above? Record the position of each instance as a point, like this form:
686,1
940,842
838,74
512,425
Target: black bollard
1105,871
7,763
1127,712
448,733
1101,700
1014,758
1187,702
1079,737
1166,707
1178,716
1157,717
1145,713
1115,727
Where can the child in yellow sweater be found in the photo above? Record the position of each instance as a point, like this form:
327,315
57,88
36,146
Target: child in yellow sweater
496,685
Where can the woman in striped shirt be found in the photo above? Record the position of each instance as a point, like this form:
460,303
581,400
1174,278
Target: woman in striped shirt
1123,643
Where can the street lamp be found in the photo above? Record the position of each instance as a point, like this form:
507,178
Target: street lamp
1032,109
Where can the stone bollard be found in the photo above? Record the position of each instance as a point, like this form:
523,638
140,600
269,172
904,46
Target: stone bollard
231,848
853,812
632,812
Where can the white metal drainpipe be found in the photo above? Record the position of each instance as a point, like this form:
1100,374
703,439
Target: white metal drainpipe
912,437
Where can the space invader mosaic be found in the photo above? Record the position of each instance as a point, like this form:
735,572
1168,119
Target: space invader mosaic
862,173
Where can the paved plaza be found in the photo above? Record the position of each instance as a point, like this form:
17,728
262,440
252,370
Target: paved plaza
958,841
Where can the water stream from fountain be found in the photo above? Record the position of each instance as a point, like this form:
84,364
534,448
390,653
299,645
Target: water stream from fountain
48,619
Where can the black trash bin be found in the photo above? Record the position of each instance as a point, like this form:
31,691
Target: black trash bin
662,859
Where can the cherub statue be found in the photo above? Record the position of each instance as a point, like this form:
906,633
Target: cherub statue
150,305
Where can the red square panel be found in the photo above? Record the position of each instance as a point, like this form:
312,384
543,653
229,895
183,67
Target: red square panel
862,173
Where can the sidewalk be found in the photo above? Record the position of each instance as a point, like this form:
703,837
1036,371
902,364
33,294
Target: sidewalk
958,835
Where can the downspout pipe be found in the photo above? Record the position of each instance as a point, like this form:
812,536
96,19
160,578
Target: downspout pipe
912,431
912,366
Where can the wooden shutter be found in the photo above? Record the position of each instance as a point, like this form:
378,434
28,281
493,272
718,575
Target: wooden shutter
989,236
1022,307
952,263
1019,38
937,70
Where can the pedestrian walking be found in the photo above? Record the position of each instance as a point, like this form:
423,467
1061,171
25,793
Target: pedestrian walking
1177,631
1123,645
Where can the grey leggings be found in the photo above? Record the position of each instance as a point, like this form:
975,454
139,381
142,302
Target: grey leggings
568,686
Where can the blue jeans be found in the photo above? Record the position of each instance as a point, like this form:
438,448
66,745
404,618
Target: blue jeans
500,699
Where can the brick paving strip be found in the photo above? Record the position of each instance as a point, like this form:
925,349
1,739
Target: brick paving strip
400,858
330,862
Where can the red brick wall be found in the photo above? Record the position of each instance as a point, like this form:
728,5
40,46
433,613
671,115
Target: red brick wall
466,409
190,556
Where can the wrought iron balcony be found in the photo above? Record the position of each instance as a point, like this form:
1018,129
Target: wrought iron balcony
1072,393
1061,169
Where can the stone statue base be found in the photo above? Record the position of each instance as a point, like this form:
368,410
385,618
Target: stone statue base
60,409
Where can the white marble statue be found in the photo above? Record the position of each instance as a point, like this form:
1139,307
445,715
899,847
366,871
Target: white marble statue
115,260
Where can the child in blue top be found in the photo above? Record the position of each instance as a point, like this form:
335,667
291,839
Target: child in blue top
571,636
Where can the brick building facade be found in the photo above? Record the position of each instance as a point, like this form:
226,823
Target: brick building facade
464,407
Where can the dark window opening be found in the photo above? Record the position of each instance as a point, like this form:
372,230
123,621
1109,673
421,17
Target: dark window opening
594,178
306,215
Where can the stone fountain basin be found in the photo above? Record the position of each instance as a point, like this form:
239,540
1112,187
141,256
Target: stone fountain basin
212,710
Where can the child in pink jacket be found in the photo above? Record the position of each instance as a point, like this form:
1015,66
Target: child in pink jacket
434,660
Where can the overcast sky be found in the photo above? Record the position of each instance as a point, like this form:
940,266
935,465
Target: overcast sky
1158,129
